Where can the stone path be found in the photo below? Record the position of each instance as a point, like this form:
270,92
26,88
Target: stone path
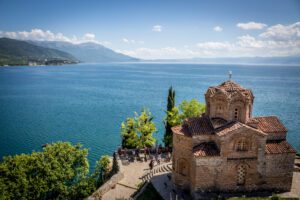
135,173
128,185
295,190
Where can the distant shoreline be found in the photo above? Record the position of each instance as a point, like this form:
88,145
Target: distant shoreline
159,62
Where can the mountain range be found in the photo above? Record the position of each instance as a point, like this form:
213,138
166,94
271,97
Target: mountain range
16,52
19,52
87,52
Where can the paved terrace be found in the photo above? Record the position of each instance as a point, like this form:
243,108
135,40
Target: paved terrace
137,171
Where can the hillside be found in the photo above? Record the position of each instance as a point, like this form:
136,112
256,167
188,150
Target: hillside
87,52
16,52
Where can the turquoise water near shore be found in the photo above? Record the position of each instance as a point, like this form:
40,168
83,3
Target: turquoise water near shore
86,103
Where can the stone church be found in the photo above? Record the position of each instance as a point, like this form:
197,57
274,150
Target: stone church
227,149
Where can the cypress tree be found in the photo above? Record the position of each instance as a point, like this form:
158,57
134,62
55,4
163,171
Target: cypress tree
170,106
115,166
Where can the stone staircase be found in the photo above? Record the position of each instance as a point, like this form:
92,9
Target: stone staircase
158,169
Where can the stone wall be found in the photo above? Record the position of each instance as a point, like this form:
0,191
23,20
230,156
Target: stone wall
205,173
221,173
279,171
276,136
229,179
181,155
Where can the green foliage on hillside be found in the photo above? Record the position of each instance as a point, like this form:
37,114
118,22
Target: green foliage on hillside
87,52
16,52
60,171
138,131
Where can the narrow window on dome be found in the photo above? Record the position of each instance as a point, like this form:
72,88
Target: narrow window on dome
236,114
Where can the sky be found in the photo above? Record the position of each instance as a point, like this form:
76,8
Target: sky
156,29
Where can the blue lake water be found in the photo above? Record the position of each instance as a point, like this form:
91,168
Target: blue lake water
86,103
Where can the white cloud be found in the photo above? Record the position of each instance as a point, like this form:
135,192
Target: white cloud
41,35
277,40
157,28
35,34
249,41
131,41
214,45
89,36
281,32
165,53
251,25
125,40
218,29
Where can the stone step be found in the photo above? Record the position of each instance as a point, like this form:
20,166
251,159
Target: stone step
169,167
166,168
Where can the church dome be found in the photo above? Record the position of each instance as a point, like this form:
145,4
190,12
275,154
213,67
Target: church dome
230,88
229,101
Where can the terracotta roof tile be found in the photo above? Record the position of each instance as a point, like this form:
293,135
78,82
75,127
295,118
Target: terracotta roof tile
181,130
270,124
206,149
230,87
199,125
228,128
276,147
218,122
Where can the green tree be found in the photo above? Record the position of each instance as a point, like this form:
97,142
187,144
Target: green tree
115,165
187,109
101,170
174,117
146,127
58,172
129,134
138,131
191,108
168,126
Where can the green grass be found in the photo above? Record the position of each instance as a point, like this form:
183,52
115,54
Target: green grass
150,193
249,198
261,198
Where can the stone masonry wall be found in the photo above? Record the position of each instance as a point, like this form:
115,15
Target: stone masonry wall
182,151
279,171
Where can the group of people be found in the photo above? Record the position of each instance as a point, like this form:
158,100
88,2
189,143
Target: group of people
154,154
157,160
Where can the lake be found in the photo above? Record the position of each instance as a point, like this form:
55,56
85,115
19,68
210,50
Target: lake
86,103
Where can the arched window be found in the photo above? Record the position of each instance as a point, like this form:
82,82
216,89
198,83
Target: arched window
241,174
242,145
183,167
219,109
